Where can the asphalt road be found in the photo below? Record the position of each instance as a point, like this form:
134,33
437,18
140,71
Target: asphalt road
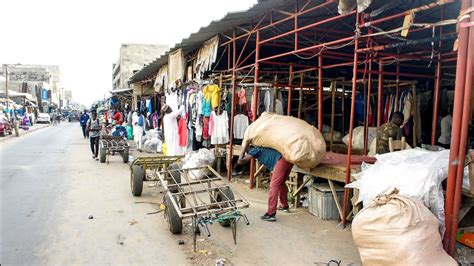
50,186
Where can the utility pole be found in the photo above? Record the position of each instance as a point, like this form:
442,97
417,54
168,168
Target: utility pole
6,86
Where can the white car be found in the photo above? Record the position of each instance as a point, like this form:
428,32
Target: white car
43,118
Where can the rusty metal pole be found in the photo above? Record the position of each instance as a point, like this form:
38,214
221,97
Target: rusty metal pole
290,89
380,95
255,100
466,116
351,123
437,86
232,112
456,126
320,93
369,86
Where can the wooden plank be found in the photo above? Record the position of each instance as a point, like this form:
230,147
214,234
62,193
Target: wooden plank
334,195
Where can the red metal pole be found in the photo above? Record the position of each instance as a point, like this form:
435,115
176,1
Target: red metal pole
437,86
290,89
466,116
255,101
320,93
232,114
351,125
397,87
380,95
456,127
369,85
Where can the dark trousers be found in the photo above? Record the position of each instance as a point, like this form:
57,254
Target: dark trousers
95,145
278,187
85,133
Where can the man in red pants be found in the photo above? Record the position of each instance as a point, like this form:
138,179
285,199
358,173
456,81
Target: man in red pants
281,168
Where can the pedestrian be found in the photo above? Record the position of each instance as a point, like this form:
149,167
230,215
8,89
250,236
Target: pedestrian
83,121
280,167
16,123
138,125
446,124
58,117
389,130
117,118
94,126
53,118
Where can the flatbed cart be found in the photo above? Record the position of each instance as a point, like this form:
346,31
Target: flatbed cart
145,169
204,196
111,145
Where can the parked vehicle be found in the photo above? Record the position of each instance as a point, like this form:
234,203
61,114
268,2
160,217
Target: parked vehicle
43,118
73,116
5,127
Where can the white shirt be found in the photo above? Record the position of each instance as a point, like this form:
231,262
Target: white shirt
278,107
446,124
241,122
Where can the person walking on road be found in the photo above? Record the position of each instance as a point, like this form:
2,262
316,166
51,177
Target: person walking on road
280,167
16,124
83,121
94,126
138,122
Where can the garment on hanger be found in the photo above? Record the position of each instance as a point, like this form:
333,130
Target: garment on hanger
242,96
183,132
205,127
212,93
278,107
171,133
241,122
199,103
268,101
219,128
172,100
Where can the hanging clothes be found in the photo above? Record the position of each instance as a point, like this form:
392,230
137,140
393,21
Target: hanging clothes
219,128
205,128
278,107
241,122
170,125
212,93
183,132
172,100
242,96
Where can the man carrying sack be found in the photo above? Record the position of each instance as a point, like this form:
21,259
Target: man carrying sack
280,167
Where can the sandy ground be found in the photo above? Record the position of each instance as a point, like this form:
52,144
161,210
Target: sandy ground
51,185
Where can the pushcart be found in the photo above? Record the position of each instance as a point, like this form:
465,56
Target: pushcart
202,195
111,145
145,169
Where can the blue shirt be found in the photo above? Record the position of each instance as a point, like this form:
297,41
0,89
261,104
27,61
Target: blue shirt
83,120
266,156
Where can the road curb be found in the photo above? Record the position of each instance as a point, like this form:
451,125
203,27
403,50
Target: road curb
25,132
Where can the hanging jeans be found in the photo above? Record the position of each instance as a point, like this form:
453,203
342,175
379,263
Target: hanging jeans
278,187
95,146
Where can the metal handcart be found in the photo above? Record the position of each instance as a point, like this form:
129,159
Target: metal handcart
111,145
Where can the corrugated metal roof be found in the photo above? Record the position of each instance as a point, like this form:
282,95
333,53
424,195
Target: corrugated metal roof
195,40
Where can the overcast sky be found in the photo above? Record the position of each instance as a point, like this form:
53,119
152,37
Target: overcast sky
84,37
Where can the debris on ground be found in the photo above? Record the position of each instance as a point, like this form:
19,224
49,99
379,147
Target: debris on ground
180,242
120,239
132,222
91,217
220,262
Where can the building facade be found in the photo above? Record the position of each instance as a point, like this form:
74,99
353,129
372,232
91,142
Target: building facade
131,59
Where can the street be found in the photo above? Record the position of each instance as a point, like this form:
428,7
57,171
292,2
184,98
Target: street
50,187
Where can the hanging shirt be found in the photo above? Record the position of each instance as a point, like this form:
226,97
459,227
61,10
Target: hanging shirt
183,132
219,128
266,156
212,93
241,122
278,107
172,101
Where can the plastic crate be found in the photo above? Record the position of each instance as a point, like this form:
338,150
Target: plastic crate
321,201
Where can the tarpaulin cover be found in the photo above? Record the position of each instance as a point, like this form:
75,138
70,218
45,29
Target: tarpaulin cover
297,141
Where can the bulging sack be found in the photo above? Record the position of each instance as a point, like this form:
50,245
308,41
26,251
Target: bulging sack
396,230
297,141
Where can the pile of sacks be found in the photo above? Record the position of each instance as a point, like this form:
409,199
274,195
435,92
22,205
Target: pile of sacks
197,159
297,141
153,141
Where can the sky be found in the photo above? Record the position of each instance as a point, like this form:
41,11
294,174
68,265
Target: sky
84,37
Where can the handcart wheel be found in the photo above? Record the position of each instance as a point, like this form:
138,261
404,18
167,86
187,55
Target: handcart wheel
224,194
175,223
136,179
102,155
125,155
175,176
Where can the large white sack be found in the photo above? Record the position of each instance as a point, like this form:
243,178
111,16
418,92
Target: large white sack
358,137
416,173
297,141
396,230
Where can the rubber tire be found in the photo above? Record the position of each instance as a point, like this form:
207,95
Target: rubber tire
175,223
125,156
136,180
3,134
102,155
176,176
221,196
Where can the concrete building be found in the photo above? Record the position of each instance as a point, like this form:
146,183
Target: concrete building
33,79
132,58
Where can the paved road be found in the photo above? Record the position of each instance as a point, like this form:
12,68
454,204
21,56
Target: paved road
49,187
